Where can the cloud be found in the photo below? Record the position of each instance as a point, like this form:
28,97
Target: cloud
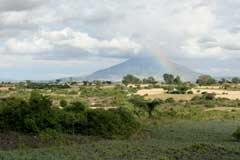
19,5
53,42
76,29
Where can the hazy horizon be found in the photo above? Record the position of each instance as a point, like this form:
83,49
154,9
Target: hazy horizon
47,39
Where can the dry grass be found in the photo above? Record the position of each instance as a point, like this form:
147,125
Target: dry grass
229,109
221,93
177,97
154,91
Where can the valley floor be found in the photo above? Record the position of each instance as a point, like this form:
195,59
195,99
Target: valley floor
182,140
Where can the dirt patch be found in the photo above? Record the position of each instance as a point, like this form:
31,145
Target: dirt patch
154,91
176,97
220,93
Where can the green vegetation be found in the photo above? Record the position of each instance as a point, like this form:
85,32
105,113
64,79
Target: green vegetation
104,120
130,79
236,134
205,80
37,115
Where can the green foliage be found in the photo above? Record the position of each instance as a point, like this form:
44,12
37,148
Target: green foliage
177,80
151,105
76,107
37,115
236,134
149,80
236,80
98,92
168,78
170,100
205,80
130,79
33,85
28,116
147,105
63,103
110,123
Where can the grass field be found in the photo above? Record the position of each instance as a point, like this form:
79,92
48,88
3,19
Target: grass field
178,130
182,140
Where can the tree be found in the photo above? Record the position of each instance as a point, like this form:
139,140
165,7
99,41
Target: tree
151,105
147,105
130,79
177,80
58,81
63,103
168,78
222,81
205,80
236,134
236,80
149,80
98,83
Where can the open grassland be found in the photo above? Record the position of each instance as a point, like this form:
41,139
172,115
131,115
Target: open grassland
162,94
183,128
182,140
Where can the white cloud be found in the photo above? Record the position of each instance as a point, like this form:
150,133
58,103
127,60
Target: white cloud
67,29
48,41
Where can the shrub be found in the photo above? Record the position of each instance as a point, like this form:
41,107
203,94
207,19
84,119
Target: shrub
209,96
190,92
32,116
170,100
37,116
63,103
77,107
110,123
236,134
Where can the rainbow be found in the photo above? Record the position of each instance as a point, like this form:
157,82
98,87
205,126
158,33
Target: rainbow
163,59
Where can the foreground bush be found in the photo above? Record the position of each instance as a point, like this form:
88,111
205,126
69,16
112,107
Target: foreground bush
110,123
28,116
37,115
236,134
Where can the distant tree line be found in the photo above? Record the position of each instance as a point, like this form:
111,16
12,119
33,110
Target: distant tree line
168,78
171,79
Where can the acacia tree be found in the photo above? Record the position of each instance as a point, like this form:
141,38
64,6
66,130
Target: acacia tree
168,78
150,80
130,79
151,105
236,80
147,105
177,80
206,80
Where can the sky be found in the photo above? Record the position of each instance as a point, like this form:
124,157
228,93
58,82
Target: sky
48,39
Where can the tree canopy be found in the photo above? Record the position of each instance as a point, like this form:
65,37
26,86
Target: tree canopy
130,79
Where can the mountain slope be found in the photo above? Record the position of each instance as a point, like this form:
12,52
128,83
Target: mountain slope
142,66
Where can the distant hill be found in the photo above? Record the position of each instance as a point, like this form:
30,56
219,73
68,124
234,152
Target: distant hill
142,66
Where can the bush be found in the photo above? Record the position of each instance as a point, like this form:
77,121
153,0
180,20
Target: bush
63,103
190,92
28,116
209,96
37,116
110,123
170,100
77,107
236,134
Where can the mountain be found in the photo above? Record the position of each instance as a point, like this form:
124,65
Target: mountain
142,66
